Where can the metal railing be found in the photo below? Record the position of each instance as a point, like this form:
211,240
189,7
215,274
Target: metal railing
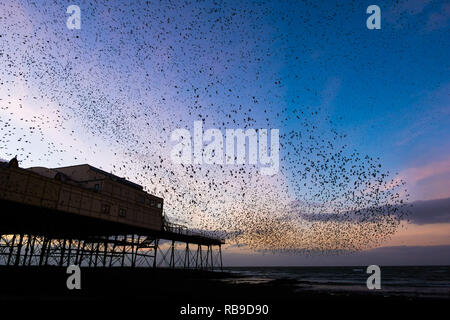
181,229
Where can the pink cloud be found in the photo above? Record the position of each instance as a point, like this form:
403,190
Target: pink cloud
420,173
428,181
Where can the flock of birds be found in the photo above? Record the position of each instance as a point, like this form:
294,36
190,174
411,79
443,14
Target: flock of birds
111,93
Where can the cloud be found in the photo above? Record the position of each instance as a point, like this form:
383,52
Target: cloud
431,211
420,212
417,174
429,181
393,255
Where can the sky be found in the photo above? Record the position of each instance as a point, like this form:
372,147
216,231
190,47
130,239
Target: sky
370,101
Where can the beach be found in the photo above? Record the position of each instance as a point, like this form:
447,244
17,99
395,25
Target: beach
284,290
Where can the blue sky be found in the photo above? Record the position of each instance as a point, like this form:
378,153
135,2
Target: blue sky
111,93
384,83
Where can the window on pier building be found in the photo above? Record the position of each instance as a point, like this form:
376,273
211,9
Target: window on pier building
141,199
106,208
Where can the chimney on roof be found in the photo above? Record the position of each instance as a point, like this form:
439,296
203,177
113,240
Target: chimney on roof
13,163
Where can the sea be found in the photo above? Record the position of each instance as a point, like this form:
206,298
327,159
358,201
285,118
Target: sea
414,281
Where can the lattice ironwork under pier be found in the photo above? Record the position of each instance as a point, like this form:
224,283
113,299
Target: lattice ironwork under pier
108,251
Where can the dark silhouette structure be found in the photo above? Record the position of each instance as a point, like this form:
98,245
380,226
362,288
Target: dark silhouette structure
85,216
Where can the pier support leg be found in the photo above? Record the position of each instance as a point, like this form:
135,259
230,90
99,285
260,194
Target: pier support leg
19,250
113,251
186,256
105,251
62,252
32,250
124,250
156,252
42,254
27,248
220,255
172,255
11,249
69,251
82,253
